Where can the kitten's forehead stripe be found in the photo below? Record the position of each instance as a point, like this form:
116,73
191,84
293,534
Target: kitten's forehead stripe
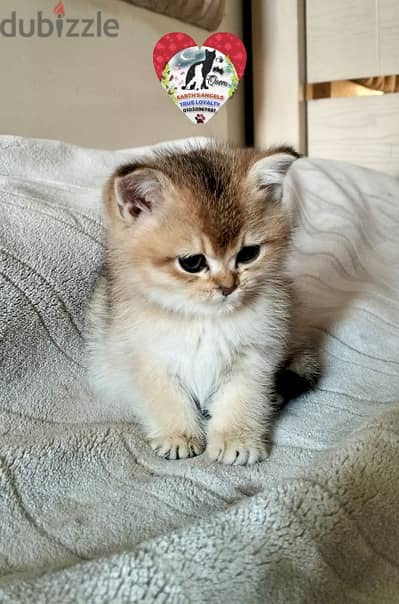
214,178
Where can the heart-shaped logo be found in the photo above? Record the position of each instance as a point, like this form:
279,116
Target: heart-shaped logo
199,79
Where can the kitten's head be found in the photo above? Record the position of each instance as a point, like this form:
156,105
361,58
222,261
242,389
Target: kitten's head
202,231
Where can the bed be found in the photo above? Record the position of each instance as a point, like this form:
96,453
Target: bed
89,514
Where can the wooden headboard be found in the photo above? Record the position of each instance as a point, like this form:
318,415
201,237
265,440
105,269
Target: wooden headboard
309,53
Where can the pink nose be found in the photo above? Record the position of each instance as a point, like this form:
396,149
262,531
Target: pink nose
226,290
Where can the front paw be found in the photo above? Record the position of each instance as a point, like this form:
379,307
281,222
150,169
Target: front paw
236,449
178,446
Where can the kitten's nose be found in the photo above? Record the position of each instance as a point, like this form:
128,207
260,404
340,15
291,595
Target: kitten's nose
226,290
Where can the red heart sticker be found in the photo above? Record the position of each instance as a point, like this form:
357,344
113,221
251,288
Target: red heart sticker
199,79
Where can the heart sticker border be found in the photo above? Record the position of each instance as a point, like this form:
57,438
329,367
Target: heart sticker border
169,61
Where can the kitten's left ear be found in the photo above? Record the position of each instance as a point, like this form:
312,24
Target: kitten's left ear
268,173
138,192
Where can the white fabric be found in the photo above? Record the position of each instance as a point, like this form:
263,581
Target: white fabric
89,514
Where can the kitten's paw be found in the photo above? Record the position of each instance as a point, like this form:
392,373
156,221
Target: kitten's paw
236,449
178,446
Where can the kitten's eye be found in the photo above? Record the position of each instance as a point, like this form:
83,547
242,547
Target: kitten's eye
193,264
248,254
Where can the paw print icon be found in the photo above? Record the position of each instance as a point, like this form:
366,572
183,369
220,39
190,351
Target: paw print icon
200,118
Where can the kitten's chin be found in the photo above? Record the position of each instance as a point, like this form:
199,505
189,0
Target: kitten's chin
187,305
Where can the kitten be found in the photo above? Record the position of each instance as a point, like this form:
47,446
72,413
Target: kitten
192,315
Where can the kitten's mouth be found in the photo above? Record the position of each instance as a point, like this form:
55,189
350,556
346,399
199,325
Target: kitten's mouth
228,303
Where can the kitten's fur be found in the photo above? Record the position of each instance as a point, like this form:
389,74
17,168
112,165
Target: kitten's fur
168,340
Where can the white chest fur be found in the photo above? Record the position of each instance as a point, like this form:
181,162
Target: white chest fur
199,352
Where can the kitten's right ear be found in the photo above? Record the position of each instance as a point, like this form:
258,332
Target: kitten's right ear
269,172
138,192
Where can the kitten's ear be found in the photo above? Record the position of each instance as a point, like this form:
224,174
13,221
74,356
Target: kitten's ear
268,173
139,192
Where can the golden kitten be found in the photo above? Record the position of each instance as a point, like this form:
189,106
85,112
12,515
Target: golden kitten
191,317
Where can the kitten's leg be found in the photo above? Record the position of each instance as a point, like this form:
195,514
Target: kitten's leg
170,418
240,413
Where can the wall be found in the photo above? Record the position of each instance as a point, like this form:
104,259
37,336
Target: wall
101,92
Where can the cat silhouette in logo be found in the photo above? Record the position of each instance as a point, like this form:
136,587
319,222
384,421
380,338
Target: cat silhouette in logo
198,72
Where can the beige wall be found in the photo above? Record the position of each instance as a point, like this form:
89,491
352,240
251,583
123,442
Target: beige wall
101,92
279,111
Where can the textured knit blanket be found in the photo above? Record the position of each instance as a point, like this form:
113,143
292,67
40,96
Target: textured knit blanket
89,514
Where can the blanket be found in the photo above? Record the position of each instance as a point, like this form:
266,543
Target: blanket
88,513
